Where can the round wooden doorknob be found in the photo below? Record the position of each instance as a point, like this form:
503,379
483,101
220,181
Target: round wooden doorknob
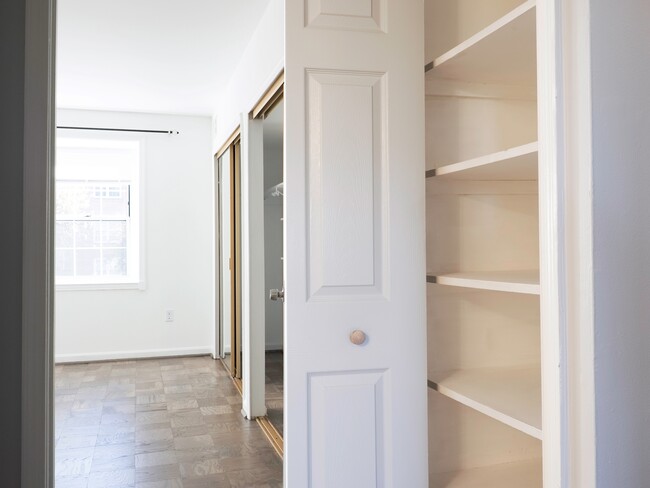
358,337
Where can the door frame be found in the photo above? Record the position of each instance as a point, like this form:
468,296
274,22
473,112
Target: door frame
272,97
219,350
236,247
565,117
566,242
254,288
37,424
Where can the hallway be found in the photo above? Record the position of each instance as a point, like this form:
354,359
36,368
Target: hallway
161,423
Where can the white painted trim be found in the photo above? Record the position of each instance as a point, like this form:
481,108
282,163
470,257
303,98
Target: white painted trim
252,268
552,252
577,120
37,436
566,246
125,355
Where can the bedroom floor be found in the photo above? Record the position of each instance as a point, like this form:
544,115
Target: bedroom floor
172,423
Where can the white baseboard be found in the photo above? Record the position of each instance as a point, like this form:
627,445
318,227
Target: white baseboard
122,355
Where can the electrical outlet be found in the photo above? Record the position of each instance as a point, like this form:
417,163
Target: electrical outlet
169,315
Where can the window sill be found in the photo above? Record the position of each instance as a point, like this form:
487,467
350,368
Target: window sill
99,286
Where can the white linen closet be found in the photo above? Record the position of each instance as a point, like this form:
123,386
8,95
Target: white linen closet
483,244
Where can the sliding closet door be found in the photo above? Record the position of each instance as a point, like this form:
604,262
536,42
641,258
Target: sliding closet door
235,261
225,286
354,245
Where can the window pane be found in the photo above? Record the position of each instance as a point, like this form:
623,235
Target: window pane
74,199
88,262
64,262
87,233
116,202
66,194
114,233
114,262
93,218
63,234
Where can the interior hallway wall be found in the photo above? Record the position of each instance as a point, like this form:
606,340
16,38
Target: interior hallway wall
260,64
620,76
178,221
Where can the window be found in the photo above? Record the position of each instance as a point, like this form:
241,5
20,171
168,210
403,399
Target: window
97,235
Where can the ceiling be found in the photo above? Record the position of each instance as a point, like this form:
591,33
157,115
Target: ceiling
158,56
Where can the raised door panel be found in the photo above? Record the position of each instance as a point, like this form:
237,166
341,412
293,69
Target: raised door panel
345,167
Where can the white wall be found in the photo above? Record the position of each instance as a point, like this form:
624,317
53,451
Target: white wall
178,213
260,64
620,78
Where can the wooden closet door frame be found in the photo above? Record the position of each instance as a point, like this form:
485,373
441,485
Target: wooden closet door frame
233,146
235,268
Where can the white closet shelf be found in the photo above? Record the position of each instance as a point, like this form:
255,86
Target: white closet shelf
514,164
510,395
519,281
522,474
502,53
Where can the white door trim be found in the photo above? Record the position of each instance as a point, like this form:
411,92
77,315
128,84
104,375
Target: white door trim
38,230
566,273
552,265
253,287
578,254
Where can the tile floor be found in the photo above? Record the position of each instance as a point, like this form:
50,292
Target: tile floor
164,423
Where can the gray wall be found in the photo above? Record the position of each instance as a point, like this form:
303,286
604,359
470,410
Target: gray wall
12,40
620,52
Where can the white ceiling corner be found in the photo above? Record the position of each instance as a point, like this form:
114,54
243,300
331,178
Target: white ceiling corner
156,56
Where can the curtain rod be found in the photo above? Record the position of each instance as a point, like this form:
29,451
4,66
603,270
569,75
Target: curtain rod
118,130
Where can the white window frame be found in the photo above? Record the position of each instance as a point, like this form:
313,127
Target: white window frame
136,231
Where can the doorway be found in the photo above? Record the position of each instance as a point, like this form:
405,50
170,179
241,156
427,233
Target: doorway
273,130
137,399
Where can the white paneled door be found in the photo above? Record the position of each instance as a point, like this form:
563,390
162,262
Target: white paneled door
355,345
